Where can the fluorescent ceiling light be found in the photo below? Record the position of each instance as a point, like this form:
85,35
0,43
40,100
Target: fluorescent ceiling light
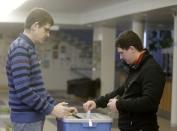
55,28
7,6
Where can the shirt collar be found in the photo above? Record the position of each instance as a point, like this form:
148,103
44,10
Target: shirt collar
137,62
29,41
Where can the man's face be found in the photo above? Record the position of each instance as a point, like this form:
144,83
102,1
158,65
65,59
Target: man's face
127,55
42,33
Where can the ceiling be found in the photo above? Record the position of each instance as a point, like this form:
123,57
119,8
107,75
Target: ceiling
88,10
158,18
69,6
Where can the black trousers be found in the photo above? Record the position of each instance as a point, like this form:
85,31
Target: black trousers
142,129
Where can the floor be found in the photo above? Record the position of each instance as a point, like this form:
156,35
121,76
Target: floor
50,123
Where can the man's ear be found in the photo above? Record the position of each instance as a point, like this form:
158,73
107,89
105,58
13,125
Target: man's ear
35,26
132,48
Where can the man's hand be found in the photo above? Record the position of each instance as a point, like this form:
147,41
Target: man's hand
89,105
61,110
112,105
73,110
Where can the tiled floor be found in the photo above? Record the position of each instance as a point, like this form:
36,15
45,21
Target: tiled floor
51,126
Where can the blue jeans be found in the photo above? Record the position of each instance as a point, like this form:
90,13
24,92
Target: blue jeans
35,126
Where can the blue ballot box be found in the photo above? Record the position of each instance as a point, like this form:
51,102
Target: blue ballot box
97,122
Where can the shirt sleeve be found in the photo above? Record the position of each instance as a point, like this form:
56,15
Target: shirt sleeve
103,100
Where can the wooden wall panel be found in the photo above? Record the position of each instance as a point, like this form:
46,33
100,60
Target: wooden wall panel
165,103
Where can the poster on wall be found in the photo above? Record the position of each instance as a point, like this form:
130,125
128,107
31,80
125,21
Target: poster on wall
44,55
159,43
45,59
55,52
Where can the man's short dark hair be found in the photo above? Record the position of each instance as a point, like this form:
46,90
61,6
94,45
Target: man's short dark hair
38,15
127,39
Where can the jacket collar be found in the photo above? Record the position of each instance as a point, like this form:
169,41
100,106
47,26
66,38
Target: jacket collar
145,56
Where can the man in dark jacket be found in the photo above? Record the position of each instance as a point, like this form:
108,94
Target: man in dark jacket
138,99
